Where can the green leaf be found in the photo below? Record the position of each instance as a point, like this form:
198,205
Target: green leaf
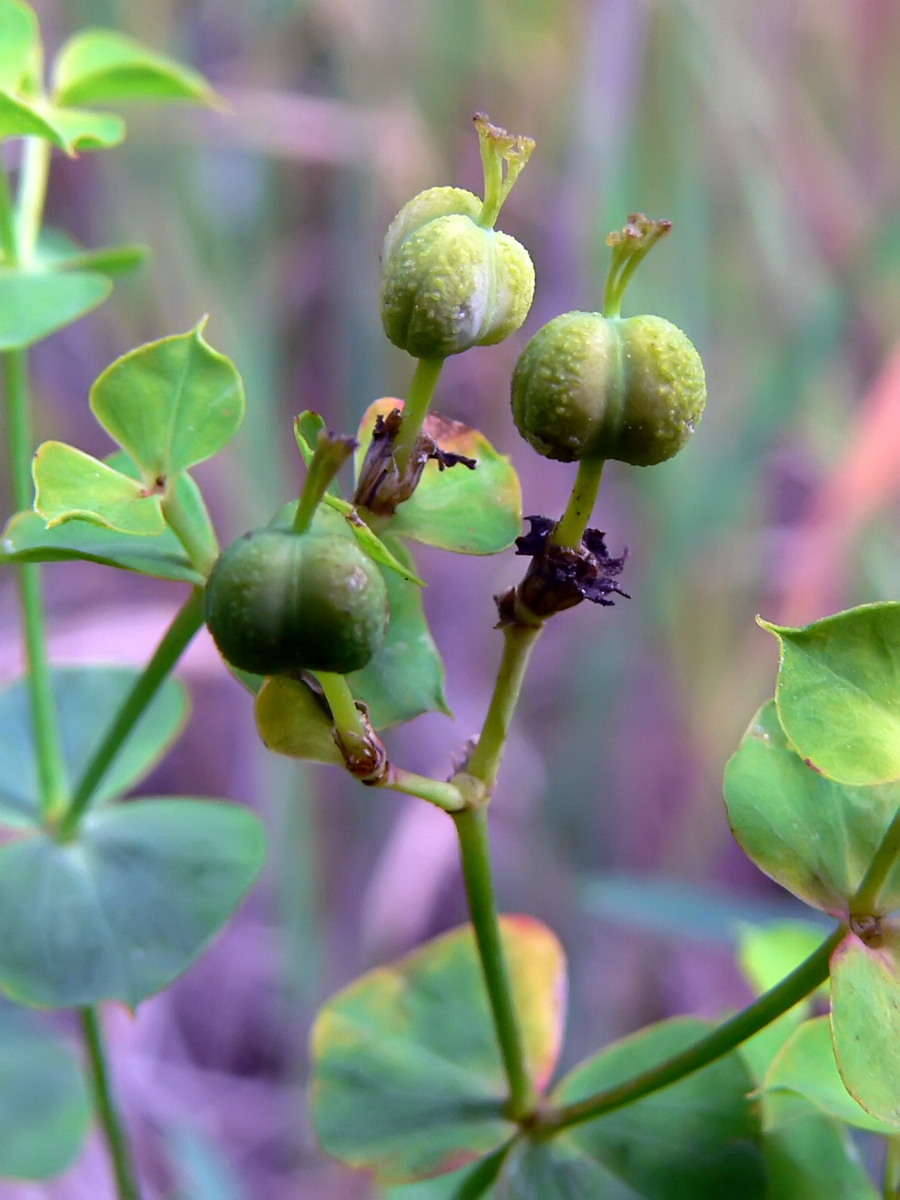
98,66
44,1106
170,404
695,1140
407,1078
27,539
85,130
812,835
805,1066
35,304
865,1020
58,252
405,678
470,512
126,908
71,484
810,1156
21,118
19,43
291,720
838,692
87,700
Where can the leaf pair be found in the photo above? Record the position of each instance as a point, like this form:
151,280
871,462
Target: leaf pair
408,1082
170,405
816,828
96,66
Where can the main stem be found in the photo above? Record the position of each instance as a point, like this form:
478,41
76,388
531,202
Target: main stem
48,746
471,826
126,1181
415,409
177,637
794,988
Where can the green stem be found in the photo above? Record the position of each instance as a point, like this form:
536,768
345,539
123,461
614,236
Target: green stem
444,795
9,245
187,622
471,826
805,979
415,410
110,1119
865,900
48,745
570,530
33,178
195,540
484,762
348,720
891,1189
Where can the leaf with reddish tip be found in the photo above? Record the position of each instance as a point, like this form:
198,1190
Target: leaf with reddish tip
469,512
407,1077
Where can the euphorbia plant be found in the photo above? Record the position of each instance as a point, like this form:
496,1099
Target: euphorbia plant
440,1065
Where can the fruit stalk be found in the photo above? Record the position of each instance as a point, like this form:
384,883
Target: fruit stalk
113,1131
570,530
415,410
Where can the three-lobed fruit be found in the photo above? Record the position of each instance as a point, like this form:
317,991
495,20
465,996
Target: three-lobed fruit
447,282
279,601
588,386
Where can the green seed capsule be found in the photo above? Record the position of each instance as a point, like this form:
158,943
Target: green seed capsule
447,282
588,386
277,601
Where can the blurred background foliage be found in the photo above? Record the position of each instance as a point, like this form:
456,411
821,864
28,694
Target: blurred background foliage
766,130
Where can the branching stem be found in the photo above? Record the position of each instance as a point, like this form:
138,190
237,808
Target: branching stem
794,988
176,639
866,900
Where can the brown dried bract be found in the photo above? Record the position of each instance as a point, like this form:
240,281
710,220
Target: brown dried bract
381,486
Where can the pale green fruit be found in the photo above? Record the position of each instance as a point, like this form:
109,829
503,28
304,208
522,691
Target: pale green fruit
588,386
447,283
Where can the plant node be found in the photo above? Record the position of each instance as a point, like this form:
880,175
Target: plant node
382,483
365,755
867,928
560,577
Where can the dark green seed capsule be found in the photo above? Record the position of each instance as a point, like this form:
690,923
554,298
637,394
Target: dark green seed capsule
277,601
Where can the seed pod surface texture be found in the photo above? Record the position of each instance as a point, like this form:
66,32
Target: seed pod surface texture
447,283
278,601
631,389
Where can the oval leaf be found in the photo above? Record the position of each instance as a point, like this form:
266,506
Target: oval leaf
19,42
407,1077
28,539
865,1020
838,692
126,908
84,130
805,1066
810,834
35,304
71,484
170,404
20,118
98,66
695,1140
470,512
44,1106
87,701
405,678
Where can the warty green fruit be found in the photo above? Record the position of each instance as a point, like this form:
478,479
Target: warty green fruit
447,283
588,386
278,601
